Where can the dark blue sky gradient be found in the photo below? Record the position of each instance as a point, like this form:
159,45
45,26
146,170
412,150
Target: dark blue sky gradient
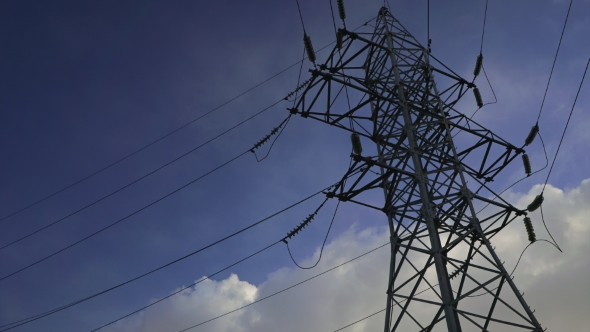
83,84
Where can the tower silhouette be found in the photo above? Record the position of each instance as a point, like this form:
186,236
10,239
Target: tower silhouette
444,274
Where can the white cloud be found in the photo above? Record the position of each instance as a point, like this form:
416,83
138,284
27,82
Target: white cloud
556,284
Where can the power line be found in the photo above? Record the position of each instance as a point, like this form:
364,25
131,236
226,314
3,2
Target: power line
323,244
566,125
325,238
284,289
491,88
140,178
375,313
554,158
554,60
282,127
428,25
55,310
126,217
300,16
524,177
161,138
402,301
483,30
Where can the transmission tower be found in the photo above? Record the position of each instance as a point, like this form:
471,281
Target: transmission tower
444,274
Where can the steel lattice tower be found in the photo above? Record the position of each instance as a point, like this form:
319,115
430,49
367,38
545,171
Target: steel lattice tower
444,273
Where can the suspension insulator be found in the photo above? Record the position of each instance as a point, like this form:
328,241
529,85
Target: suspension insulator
339,38
478,64
536,203
309,48
527,164
357,148
478,99
532,134
341,9
529,229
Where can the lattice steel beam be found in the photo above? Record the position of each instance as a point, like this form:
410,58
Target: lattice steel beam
380,85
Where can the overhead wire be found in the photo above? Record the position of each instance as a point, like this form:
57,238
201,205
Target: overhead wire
140,178
112,288
284,289
122,219
553,242
282,127
566,125
152,143
518,262
162,137
323,244
429,288
55,310
300,16
375,313
428,25
555,60
351,122
557,152
38,316
186,287
479,64
195,283
483,30
491,88
524,177
128,216
541,109
327,233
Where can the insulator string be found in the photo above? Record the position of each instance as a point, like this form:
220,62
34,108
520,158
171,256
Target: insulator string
493,92
323,244
524,177
47,313
278,131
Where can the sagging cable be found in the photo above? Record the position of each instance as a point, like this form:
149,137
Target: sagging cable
279,129
527,164
304,223
536,203
323,244
532,134
528,225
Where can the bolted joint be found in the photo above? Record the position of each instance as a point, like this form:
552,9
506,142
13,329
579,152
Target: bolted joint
465,192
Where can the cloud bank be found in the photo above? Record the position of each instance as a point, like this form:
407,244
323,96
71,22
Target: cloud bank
556,285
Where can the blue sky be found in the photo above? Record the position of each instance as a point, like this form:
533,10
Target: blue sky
83,85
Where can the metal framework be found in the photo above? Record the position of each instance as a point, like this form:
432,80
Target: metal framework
444,273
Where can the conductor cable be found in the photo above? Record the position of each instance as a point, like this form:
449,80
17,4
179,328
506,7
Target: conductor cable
166,135
55,310
284,290
140,178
